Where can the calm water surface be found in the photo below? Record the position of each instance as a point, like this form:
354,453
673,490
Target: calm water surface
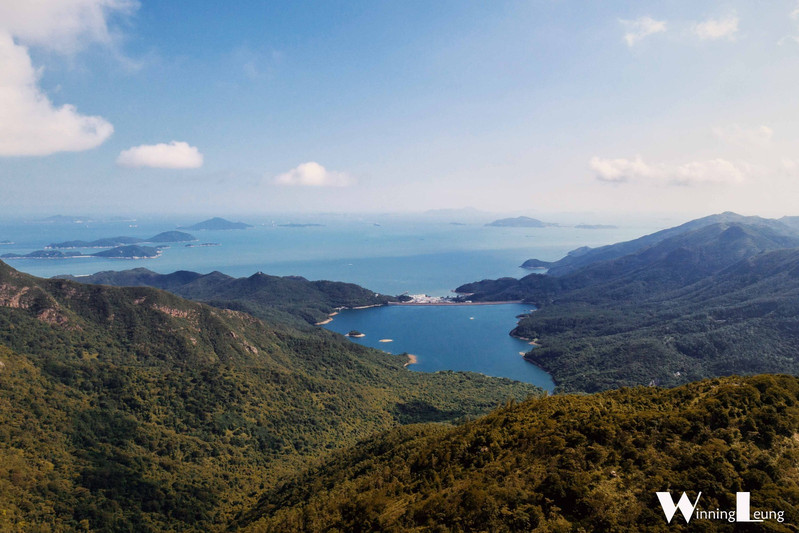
464,337
387,254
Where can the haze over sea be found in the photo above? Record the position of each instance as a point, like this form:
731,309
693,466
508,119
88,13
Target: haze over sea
385,253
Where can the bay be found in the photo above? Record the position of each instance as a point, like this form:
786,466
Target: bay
471,338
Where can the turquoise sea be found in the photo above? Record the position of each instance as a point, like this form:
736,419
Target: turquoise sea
386,253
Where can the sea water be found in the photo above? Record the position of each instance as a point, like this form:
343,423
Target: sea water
387,254
448,337
390,255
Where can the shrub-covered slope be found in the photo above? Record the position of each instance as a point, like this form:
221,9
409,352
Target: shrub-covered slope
563,463
268,297
131,409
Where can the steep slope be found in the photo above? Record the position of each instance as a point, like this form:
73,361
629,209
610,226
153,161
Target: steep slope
134,409
585,256
267,297
563,463
711,301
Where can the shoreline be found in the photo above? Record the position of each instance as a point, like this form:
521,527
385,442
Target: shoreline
412,359
455,303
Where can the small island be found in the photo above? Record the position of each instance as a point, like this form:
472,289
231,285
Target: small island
130,252
120,252
6,242
111,242
216,223
355,333
521,222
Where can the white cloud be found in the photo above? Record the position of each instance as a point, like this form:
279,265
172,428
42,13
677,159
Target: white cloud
641,27
718,171
717,28
735,134
29,122
61,25
30,125
714,171
620,170
313,174
173,155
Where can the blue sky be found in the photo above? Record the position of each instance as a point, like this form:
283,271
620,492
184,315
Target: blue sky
537,106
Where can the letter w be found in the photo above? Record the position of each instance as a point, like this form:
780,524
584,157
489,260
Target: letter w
684,505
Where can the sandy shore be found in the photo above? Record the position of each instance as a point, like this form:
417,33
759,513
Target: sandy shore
412,360
328,320
386,340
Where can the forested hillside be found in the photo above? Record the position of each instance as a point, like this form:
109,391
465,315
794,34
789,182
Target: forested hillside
712,300
268,297
131,409
563,463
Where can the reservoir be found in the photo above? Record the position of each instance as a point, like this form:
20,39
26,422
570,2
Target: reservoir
472,338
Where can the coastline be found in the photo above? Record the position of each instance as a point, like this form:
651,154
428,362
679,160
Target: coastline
328,320
455,303
412,359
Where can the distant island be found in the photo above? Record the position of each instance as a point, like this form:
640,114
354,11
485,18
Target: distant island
6,242
216,223
203,244
596,226
167,236
62,219
120,252
294,225
520,222
130,252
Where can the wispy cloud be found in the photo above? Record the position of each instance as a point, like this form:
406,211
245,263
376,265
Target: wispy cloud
735,134
714,171
795,17
173,155
712,29
30,125
313,174
640,28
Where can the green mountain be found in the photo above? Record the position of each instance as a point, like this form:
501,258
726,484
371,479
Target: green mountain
216,223
673,311
264,296
563,463
584,256
132,409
